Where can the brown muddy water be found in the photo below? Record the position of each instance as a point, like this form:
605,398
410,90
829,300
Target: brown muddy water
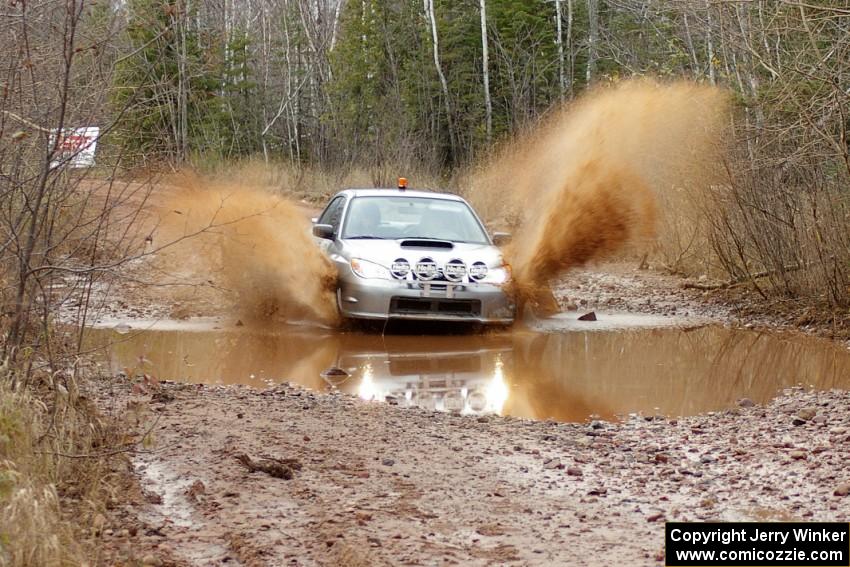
558,371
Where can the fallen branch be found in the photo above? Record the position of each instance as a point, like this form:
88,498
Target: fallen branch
278,468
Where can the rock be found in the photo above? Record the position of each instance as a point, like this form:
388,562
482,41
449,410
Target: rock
196,490
842,489
388,462
591,316
655,517
239,323
334,371
552,464
162,397
806,414
153,497
97,524
798,455
152,560
574,471
798,421
746,403
661,458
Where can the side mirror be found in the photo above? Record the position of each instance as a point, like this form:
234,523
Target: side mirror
501,238
325,231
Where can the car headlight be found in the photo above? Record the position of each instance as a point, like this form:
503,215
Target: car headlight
369,270
499,275
481,274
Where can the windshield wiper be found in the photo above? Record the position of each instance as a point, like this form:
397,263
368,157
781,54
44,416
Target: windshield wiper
364,237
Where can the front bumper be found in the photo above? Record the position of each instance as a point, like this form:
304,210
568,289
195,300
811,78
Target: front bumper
360,298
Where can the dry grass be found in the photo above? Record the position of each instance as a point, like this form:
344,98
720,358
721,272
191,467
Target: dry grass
313,183
47,501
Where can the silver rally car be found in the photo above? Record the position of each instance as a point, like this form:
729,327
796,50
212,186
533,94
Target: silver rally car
413,255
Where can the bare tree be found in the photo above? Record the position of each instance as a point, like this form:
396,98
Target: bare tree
432,20
488,104
592,39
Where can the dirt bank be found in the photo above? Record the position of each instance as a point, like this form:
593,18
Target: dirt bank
374,484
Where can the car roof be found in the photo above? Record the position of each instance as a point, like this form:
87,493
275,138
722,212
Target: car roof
397,193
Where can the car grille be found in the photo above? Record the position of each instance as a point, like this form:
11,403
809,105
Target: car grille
434,365
435,306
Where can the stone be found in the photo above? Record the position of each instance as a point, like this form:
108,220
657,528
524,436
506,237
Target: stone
574,471
591,316
746,403
807,414
842,489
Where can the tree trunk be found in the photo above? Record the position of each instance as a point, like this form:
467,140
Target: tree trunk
560,43
593,38
488,104
709,42
429,10
570,43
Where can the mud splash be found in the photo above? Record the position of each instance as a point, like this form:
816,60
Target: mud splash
584,185
247,247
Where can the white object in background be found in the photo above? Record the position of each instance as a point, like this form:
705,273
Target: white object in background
76,147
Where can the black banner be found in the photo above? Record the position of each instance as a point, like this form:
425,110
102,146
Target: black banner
762,544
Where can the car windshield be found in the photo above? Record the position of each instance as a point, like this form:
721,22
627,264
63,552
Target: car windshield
395,217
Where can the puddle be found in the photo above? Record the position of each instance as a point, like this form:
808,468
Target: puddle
555,371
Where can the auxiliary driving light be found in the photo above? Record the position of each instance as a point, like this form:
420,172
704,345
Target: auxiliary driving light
400,268
454,270
478,271
426,269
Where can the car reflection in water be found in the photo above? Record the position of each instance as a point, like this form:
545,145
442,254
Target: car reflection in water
456,379
567,376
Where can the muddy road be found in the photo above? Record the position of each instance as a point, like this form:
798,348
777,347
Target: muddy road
560,442
377,484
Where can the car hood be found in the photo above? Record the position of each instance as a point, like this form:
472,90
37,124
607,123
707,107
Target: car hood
385,252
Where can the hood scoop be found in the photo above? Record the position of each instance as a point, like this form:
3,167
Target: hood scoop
426,243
